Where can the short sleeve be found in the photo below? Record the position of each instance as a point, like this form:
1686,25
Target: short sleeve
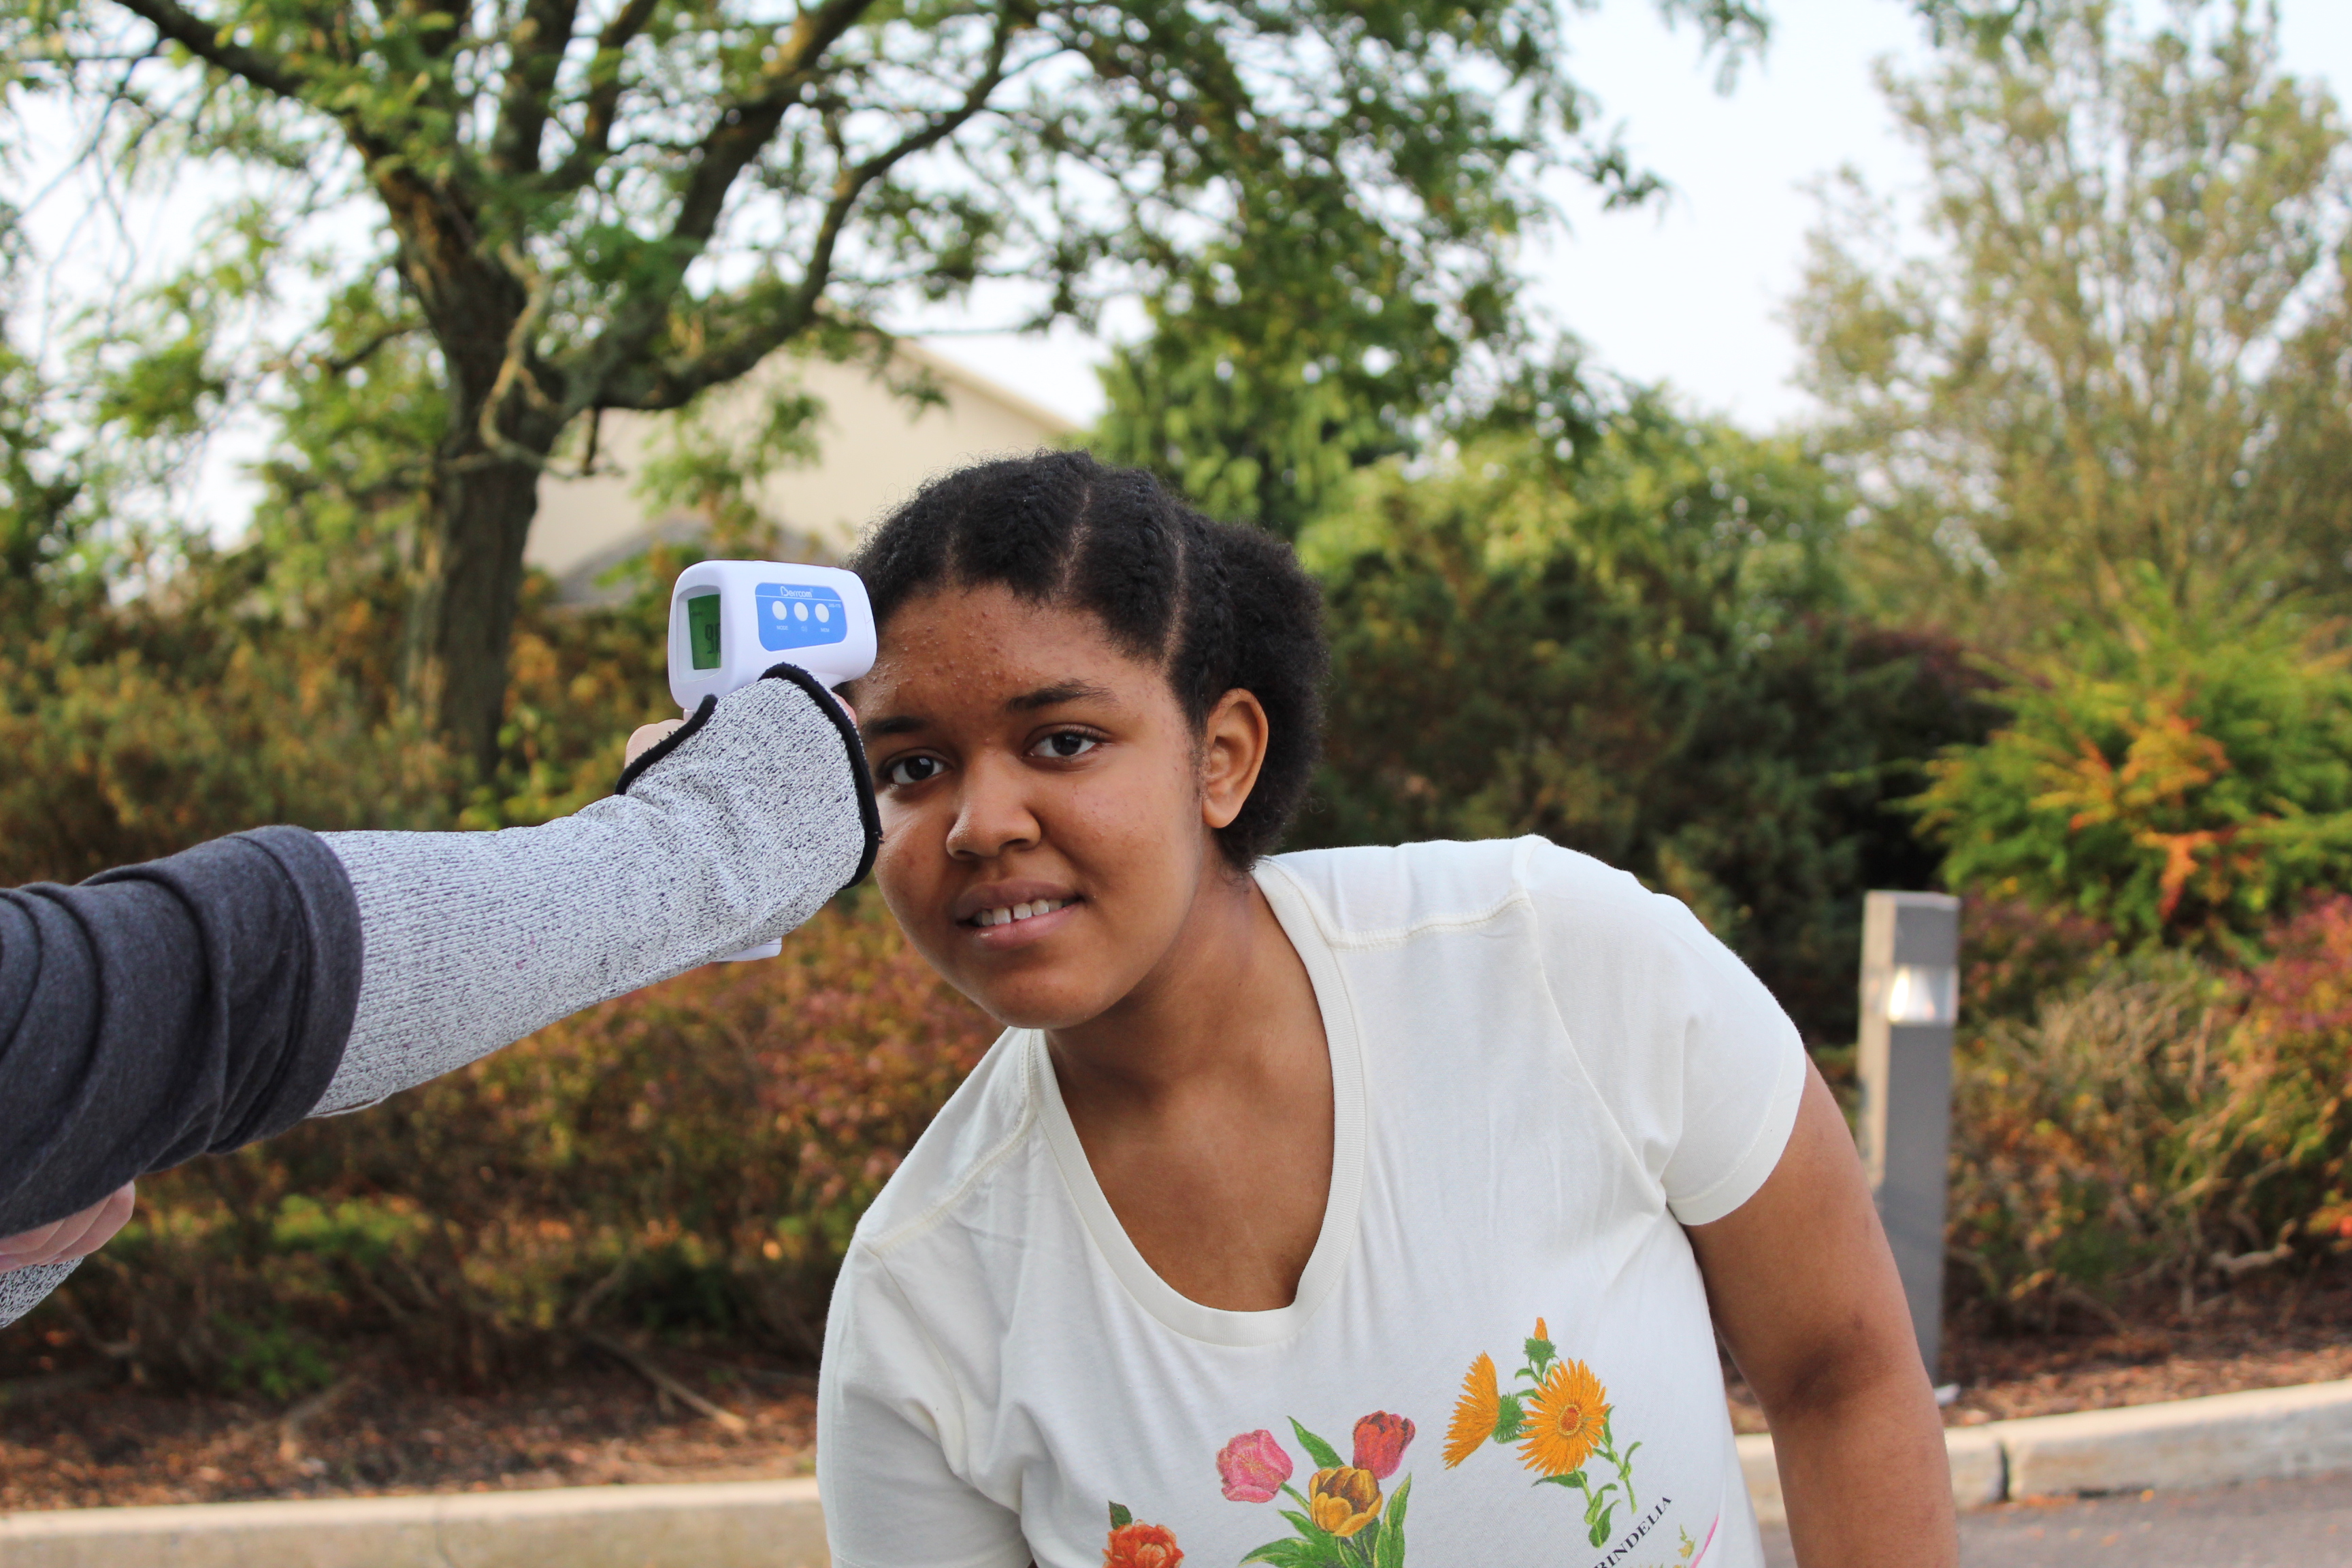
890,1429
1695,1059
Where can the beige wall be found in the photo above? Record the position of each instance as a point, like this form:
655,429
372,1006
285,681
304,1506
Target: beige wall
874,450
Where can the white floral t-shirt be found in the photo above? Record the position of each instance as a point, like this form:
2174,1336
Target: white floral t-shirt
1501,1349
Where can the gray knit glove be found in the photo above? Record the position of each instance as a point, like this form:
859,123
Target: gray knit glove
732,831
21,1290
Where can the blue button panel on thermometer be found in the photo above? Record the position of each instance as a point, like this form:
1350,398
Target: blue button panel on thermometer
799,614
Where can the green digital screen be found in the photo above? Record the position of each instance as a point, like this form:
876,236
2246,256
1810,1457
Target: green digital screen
702,630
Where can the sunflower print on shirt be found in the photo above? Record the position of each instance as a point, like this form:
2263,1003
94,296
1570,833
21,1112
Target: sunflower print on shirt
1561,1422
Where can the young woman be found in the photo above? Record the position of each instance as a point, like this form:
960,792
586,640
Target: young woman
1365,1207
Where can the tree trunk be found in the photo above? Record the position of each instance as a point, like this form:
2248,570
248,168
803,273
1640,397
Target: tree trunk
467,574
462,608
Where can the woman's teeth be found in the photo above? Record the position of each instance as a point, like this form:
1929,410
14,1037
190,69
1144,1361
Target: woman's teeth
1019,912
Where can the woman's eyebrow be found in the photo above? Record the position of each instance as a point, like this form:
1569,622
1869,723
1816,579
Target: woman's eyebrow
1057,694
901,724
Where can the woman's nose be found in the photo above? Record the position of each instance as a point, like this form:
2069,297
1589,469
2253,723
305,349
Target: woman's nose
993,813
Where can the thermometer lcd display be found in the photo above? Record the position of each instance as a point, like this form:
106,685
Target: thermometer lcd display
702,630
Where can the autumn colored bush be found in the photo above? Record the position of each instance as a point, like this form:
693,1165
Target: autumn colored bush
689,1160
2146,1120
2289,1127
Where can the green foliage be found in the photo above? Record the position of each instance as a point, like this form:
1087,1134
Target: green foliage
690,1159
2168,783
1627,632
2131,344
585,209
155,690
1258,409
1307,340
277,1362
346,485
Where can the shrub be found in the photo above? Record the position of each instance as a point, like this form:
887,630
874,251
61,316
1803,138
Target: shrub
1641,650
689,1160
2174,785
2156,1121
125,759
2076,1175
2288,1132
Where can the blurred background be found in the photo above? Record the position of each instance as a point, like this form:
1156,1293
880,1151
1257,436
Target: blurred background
1783,450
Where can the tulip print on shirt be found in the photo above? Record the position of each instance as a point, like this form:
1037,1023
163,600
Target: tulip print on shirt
1348,1521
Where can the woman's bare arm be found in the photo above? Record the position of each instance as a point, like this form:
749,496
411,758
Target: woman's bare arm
1805,1294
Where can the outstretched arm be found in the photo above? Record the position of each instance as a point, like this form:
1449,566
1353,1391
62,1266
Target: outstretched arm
730,832
201,1001
1805,1294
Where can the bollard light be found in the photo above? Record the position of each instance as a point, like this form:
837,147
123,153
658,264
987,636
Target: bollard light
1922,994
1910,1001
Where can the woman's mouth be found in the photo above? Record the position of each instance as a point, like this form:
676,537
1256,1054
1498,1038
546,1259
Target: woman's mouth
1010,914
1000,926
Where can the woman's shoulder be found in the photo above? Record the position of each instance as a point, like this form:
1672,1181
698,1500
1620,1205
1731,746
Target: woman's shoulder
1381,892
984,1124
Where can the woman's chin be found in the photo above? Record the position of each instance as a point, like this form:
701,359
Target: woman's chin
1034,1002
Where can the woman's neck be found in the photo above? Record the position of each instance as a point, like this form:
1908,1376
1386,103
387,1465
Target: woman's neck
1230,1002
1204,1103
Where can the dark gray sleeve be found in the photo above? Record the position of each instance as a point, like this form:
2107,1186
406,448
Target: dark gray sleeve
189,1005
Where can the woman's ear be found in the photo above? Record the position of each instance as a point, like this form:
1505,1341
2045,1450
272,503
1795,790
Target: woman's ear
1233,750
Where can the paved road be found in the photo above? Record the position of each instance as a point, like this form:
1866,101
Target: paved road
2264,1524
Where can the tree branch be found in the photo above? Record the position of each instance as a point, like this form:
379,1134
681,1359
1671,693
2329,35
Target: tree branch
344,364
602,100
516,371
204,41
745,129
535,52
673,384
814,33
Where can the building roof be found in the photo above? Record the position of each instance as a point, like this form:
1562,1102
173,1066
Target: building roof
874,448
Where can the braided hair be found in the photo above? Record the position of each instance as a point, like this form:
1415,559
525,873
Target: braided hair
1216,606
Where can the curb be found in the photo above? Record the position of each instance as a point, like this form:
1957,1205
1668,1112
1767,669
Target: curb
2264,1435
2267,1434
775,1524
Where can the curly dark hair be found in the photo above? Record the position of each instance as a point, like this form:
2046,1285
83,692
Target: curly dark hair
1216,606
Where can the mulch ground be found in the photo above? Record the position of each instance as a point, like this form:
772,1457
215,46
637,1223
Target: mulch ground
78,1436
67,1444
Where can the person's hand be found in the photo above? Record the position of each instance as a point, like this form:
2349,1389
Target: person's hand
645,737
76,1235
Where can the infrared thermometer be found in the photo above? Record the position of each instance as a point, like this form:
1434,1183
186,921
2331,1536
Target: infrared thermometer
731,621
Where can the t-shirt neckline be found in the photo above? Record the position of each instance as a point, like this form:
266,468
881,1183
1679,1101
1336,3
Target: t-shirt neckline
1333,1243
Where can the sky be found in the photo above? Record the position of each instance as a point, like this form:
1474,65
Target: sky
1690,291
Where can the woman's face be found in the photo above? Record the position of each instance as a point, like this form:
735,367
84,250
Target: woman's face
1047,813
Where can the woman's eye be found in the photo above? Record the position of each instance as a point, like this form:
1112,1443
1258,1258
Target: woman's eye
1064,745
911,771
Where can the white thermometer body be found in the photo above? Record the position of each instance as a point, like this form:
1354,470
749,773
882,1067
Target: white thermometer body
731,621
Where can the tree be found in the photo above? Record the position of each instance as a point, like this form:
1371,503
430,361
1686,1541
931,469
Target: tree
2132,341
623,204
1628,632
